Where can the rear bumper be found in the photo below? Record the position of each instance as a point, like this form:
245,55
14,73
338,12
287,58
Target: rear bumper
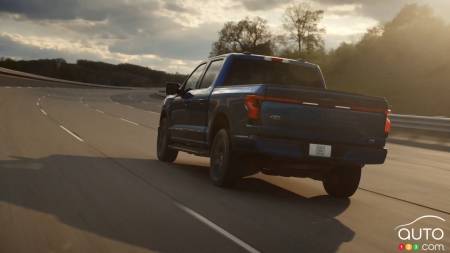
298,150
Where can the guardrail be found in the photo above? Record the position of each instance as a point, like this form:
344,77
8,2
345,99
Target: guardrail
434,124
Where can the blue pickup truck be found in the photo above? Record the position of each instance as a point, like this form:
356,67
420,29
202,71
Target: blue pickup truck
253,113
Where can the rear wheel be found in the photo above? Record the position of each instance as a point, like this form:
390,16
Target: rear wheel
164,152
342,181
224,167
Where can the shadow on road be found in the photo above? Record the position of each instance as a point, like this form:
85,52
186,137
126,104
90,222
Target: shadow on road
131,201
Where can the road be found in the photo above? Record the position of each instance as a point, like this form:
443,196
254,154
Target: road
78,173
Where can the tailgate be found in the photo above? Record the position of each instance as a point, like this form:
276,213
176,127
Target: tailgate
323,116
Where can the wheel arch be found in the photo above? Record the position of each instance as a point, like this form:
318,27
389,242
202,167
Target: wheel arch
220,121
162,115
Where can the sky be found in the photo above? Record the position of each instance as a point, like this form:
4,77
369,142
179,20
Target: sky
171,35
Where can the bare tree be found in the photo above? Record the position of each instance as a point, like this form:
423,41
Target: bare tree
247,35
301,22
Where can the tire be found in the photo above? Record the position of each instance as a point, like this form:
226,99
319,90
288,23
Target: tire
163,151
342,182
224,165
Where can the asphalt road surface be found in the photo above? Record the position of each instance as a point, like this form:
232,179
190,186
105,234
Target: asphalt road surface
78,173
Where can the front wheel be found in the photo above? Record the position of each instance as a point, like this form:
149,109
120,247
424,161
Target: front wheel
342,181
163,151
224,167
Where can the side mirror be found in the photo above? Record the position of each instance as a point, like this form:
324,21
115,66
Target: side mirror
172,88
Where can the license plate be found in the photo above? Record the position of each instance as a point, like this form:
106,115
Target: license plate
319,150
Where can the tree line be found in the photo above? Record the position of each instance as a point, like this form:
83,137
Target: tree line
94,72
406,60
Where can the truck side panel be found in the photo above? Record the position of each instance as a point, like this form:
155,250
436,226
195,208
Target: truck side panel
229,101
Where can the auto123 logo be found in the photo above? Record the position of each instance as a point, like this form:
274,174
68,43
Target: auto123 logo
421,238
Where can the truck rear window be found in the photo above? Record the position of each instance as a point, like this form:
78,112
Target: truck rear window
255,71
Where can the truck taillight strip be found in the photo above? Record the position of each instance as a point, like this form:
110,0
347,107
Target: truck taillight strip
387,125
253,103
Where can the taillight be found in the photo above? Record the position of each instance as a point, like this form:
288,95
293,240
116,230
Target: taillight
253,103
387,125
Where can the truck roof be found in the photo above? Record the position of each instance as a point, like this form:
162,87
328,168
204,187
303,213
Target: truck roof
265,57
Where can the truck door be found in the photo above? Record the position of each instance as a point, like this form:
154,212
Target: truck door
199,103
180,128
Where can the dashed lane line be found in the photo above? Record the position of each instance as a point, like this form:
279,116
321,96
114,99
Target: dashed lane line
129,121
217,228
71,133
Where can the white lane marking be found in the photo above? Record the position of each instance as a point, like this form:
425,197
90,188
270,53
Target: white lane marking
37,103
131,107
100,111
308,103
151,112
131,122
218,229
7,87
43,112
342,107
71,133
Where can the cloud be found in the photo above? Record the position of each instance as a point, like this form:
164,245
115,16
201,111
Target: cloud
385,10
178,7
126,27
60,9
253,5
17,47
39,9
380,9
187,43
